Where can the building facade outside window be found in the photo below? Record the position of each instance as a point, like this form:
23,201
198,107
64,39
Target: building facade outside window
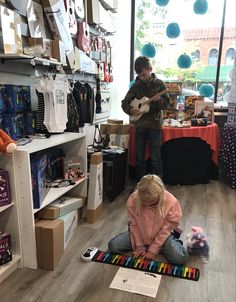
199,38
229,58
213,57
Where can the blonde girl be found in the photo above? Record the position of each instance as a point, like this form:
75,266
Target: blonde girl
154,216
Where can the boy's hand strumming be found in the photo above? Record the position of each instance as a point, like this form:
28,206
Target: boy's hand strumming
134,112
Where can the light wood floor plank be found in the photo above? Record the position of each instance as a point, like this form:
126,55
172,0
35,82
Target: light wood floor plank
212,206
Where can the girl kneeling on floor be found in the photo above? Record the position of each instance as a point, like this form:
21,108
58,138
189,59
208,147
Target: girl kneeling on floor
154,216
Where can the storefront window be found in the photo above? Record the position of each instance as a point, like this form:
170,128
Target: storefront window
213,57
199,38
230,54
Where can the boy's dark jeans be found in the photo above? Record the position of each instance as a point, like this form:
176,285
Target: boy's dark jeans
142,138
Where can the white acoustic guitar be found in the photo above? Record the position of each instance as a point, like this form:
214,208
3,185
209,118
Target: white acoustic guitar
143,105
79,9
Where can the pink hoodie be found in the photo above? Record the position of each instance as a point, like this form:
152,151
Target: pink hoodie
150,228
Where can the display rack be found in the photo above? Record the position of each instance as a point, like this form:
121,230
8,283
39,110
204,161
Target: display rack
9,220
73,144
27,59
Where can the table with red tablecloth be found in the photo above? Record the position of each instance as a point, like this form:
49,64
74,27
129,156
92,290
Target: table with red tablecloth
187,148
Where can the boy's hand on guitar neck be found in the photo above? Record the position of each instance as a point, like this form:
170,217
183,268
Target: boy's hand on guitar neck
157,96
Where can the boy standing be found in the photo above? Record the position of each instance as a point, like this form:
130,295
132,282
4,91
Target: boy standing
148,127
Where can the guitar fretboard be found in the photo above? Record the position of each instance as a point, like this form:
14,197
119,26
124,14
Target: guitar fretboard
156,267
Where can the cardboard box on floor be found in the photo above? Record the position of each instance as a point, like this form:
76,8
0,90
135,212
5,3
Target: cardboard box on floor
49,242
70,223
95,191
93,214
60,207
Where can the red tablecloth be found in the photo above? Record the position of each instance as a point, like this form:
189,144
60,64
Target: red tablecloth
210,134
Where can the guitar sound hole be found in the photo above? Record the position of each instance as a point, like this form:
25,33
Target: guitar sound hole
86,33
70,10
139,106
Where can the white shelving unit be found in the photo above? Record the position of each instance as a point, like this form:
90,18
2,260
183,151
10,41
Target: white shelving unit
9,220
73,144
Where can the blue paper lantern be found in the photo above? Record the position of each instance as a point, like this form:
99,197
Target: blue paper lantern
184,61
131,83
162,2
149,50
173,30
206,90
200,7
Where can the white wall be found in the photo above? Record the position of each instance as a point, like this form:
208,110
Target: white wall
121,59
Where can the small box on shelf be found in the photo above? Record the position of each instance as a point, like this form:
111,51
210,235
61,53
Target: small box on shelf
5,196
5,248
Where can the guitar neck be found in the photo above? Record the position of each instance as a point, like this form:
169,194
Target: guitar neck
155,96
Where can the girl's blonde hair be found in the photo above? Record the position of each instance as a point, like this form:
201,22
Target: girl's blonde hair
150,188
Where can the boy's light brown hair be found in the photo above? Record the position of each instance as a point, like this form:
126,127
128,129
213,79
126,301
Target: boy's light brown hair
141,63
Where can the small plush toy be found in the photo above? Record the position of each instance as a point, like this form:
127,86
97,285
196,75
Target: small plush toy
197,243
7,145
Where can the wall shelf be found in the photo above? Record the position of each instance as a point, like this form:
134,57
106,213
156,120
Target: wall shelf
9,219
10,267
73,145
3,208
55,193
27,58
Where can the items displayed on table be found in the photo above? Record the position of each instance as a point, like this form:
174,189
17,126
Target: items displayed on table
199,121
171,111
174,88
204,110
189,110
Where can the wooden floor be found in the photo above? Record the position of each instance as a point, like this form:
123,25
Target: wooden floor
211,206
